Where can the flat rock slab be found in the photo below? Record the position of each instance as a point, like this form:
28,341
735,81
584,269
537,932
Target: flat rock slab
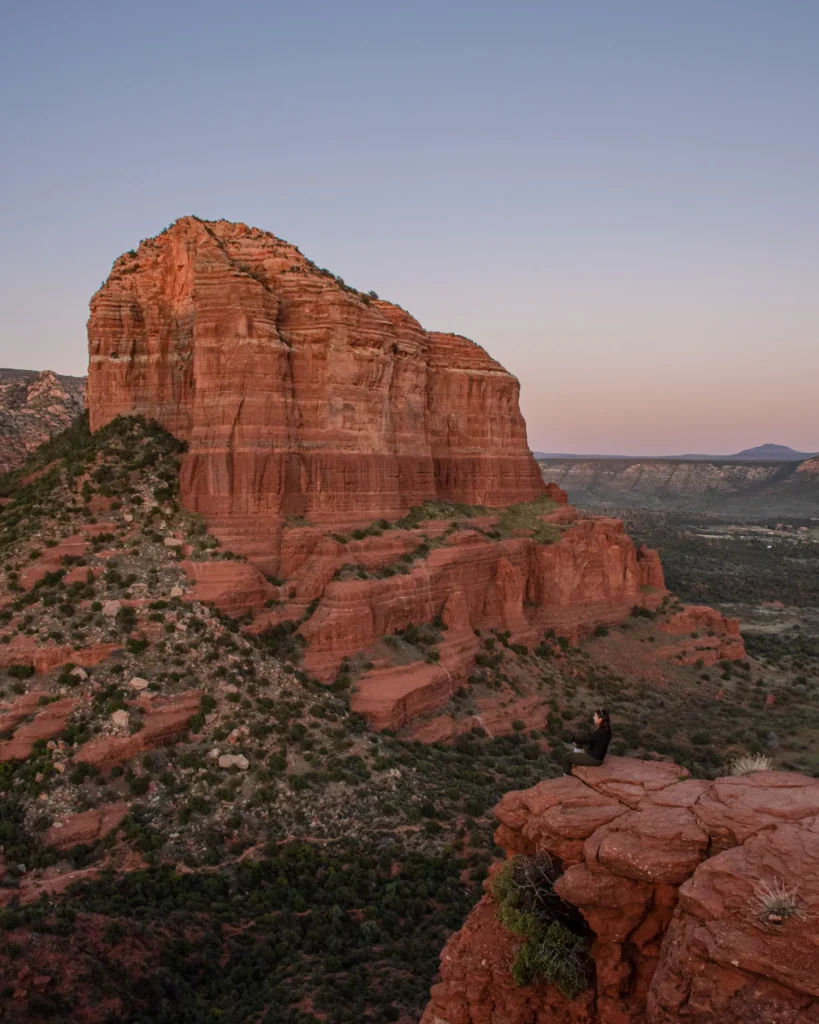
233,587
49,723
654,844
679,794
391,697
11,715
629,779
164,722
556,815
736,807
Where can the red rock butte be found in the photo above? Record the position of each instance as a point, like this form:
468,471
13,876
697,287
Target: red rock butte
311,410
297,395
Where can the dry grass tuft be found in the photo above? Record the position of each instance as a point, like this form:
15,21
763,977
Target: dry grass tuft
774,902
747,764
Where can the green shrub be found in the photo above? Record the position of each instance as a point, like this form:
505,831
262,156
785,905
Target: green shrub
558,956
555,946
21,671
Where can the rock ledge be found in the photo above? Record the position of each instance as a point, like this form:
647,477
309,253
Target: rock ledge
663,868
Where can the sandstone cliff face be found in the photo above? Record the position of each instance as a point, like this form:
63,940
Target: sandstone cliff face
592,575
663,869
298,396
33,407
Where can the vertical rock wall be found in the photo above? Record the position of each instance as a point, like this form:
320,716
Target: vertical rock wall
297,395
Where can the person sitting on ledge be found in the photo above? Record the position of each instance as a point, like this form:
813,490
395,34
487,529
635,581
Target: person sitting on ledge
596,744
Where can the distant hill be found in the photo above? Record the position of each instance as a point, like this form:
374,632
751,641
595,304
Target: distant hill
738,486
762,453
34,405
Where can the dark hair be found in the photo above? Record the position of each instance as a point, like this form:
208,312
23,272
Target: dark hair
603,713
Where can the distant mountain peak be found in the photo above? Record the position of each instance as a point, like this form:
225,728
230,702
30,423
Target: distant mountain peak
772,451
762,453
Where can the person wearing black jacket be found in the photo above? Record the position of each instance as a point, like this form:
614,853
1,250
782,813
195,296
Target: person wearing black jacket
596,744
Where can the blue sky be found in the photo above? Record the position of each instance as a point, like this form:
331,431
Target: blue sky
619,200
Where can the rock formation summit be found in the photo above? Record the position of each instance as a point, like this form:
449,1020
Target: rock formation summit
298,396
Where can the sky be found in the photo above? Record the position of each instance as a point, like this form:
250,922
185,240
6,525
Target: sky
618,200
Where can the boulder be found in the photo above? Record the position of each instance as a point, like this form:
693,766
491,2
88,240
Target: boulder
234,760
722,958
85,828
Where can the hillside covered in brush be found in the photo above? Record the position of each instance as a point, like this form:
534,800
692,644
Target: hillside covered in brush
143,734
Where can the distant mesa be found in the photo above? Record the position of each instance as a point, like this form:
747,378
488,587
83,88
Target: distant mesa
762,453
770,480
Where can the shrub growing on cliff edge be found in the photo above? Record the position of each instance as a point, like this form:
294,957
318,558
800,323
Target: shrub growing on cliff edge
555,933
557,956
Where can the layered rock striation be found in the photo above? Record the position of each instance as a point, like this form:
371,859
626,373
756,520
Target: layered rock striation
298,396
591,575
666,870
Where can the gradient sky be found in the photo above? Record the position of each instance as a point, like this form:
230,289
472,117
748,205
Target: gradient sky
619,200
